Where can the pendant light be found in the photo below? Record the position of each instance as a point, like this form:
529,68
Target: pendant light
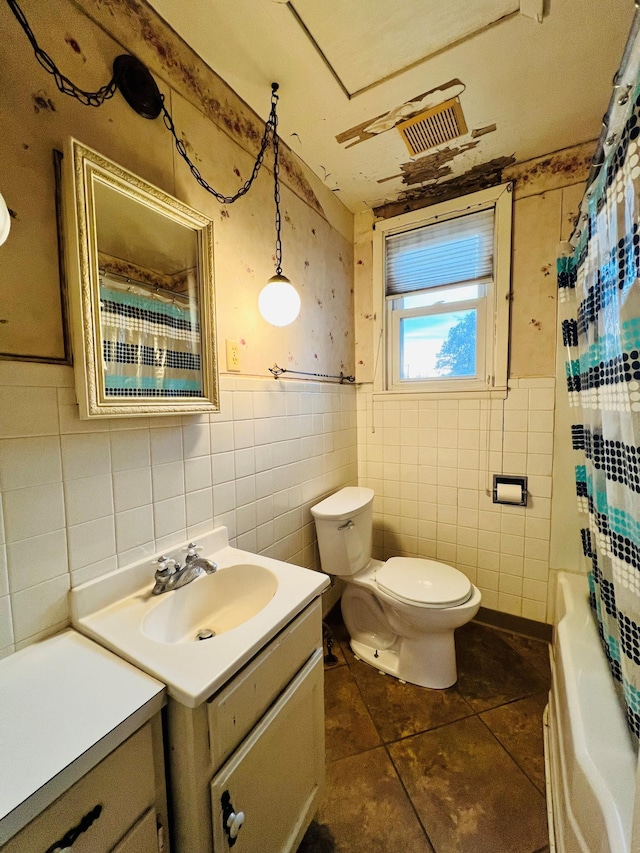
5,221
279,302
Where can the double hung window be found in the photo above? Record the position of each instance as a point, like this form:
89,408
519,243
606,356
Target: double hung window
444,278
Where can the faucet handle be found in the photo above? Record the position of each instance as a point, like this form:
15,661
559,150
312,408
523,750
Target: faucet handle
166,566
192,550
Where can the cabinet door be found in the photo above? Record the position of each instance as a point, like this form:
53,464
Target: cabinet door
237,708
275,777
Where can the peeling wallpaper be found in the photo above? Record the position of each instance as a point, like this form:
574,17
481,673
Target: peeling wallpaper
79,499
277,447
430,460
36,118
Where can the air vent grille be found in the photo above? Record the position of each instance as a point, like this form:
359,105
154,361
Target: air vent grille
433,127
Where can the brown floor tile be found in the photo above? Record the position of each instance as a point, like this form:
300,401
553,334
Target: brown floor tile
535,652
518,727
317,839
490,671
469,794
348,724
365,810
399,710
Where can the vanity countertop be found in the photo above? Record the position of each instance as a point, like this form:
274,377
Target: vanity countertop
158,633
65,704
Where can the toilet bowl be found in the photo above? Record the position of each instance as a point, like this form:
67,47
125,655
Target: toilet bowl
401,615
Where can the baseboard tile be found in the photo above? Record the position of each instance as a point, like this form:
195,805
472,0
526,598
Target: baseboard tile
517,624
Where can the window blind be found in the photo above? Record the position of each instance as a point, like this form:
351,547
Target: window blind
450,252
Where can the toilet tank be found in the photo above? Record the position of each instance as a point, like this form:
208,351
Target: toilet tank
344,523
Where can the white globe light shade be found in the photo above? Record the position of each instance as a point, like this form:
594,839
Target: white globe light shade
279,302
5,221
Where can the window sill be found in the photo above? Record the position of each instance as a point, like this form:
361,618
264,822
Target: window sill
476,394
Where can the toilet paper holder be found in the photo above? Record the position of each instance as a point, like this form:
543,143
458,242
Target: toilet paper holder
512,484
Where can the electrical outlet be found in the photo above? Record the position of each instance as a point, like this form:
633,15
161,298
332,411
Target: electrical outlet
233,356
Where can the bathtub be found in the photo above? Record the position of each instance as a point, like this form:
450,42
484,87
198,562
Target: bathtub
590,758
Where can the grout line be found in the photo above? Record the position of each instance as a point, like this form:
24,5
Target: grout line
473,713
354,754
386,745
515,761
527,695
409,798
435,728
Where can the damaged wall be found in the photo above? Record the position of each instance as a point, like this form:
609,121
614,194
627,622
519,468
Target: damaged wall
221,135
430,461
540,210
79,499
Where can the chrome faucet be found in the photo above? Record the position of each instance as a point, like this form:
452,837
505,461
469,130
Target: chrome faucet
171,575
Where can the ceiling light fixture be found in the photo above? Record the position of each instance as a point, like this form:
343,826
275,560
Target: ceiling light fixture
5,221
279,302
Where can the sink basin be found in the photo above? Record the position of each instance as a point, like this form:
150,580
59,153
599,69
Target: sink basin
211,605
241,607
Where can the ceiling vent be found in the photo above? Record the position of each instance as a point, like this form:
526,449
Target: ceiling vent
433,127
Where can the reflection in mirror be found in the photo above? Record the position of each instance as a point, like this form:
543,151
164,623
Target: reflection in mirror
143,307
149,313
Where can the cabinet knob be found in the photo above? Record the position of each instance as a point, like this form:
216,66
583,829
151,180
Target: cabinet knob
234,823
232,820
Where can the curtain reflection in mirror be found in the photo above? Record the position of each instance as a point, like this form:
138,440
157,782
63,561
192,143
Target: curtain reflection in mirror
150,340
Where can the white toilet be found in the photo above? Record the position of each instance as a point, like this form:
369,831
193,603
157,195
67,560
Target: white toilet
401,614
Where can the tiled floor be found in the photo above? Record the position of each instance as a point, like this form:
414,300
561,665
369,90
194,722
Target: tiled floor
452,771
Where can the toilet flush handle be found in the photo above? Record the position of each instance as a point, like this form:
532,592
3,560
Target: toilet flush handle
347,525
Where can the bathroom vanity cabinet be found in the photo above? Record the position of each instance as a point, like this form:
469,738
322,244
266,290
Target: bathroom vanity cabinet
124,787
81,748
244,726
247,765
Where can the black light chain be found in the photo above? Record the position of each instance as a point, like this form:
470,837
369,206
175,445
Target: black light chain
89,99
269,129
96,99
276,193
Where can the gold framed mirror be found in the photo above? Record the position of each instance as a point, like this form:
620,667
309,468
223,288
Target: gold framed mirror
141,294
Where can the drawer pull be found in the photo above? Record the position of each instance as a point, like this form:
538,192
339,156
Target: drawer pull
69,838
231,819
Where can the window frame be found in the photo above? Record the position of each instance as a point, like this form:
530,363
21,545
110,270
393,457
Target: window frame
495,335
479,305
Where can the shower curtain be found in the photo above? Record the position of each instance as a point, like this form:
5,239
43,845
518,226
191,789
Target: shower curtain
599,291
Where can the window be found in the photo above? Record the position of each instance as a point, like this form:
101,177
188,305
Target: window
443,276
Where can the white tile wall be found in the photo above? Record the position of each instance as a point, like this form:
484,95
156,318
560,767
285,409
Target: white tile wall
430,463
79,499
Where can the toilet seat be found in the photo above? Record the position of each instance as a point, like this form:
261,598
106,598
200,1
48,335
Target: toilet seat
424,583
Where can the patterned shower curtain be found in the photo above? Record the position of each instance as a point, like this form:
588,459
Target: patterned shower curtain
599,290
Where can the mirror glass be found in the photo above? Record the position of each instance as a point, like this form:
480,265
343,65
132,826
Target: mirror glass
144,302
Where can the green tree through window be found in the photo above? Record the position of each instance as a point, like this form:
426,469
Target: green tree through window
457,355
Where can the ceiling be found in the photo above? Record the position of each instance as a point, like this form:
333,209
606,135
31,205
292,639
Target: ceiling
530,76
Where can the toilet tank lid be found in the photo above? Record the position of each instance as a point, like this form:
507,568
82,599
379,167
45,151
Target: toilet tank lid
342,504
424,582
